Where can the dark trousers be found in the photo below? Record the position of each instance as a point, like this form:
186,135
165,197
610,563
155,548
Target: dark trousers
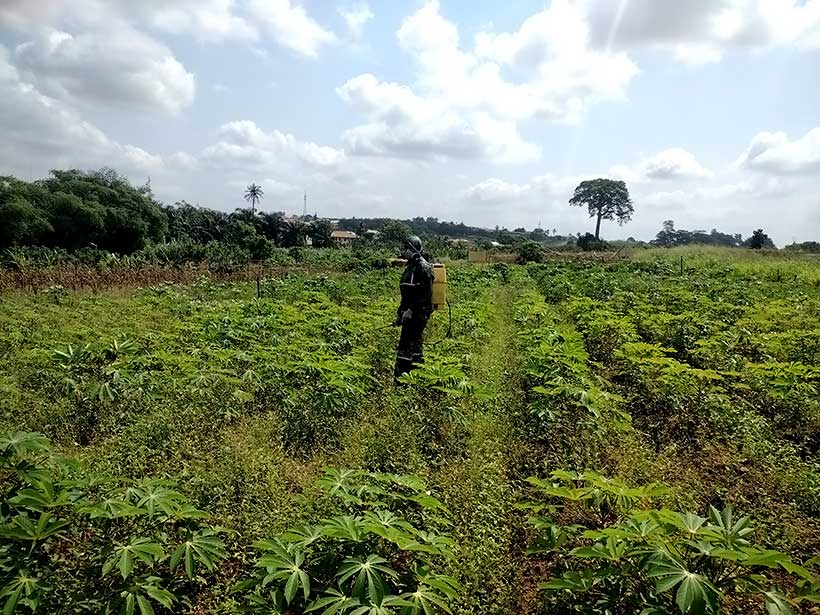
410,353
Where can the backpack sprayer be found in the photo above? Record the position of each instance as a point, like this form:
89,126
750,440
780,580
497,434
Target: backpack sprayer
439,294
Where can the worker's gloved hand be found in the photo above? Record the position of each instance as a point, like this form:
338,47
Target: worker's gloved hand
405,316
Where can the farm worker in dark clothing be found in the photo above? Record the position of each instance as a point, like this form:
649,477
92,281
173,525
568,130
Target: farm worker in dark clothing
416,306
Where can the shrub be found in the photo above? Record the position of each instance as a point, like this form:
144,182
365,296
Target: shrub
589,243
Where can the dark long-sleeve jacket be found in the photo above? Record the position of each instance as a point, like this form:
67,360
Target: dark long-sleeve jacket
416,288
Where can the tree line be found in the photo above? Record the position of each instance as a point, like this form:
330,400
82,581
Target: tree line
101,209
74,209
670,236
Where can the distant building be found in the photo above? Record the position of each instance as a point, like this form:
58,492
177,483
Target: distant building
343,239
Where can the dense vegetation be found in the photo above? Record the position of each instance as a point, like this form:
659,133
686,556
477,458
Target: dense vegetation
594,438
670,236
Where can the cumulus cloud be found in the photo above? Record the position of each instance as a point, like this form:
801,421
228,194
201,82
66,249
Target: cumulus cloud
120,67
494,191
291,26
563,74
356,17
405,125
38,128
210,20
463,105
671,164
775,153
242,143
700,31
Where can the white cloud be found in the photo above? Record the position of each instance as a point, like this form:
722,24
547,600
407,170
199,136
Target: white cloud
563,73
404,125
209,20
24,14
701,31
774,152
291,26
463,105
119,67
495,191
670,164
356,17
40,129
242,143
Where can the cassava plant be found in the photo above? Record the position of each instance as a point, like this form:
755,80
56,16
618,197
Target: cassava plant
74,543
383,554
612,555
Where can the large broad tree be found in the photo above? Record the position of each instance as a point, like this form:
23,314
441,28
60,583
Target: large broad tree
606,199
759,240
394,233
21,223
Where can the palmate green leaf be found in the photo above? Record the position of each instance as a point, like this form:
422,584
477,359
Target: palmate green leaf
368,582
383,606
732,532
303,536
272,548
24,528
158,594
111,508
345,527
23,586
337,481
204,547
765,558
433,593
22,442
141,596
298,578
282,564
777,604
613,550
40,496
695,594
798,570
570,581
124,556
155,497
424,600
335,602
411,481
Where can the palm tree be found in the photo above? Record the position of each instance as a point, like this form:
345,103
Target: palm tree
254,194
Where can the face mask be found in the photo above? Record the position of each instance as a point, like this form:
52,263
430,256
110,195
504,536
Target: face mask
409,254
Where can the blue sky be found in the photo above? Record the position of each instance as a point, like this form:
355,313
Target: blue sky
488,113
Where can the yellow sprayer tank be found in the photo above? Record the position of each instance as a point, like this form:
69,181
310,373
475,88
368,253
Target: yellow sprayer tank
439,286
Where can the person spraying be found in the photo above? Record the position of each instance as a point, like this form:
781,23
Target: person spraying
416,305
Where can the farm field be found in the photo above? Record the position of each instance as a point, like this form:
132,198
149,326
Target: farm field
587,437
